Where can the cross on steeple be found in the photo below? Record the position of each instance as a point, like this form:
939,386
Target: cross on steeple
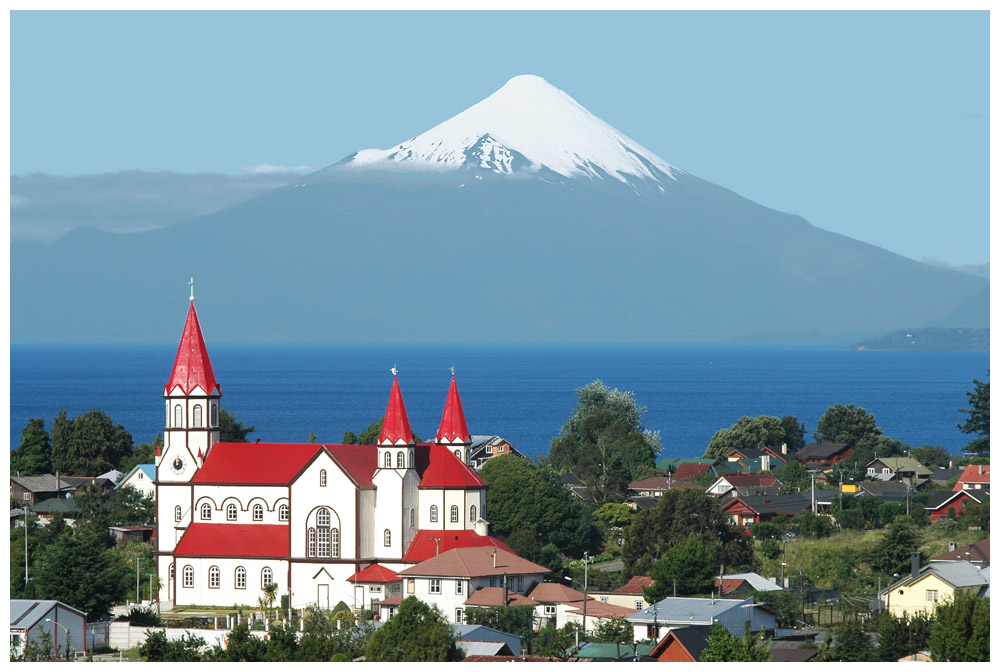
393,369
191,282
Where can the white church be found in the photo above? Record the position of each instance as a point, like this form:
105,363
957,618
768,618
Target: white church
234,517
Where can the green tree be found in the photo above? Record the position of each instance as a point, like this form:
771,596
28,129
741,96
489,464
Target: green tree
689,564
158,649
89,444
931,457
851,644
241,647
612,631
554,642
725,647
517,619
794,477
145,453
232,430
851,425
128,506
34,454
961,630
747,434
80,569
808,524
785,605
416,633
902,636
892,554
795,432
979,419
282,643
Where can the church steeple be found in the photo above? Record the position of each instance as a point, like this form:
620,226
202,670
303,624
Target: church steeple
453,431
396,426
192,367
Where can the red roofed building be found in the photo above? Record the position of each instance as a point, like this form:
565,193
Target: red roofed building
975,477
321,521
630,595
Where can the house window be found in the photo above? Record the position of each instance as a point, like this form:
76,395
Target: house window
638,605
188,576
334,543
550,610
454,514
177,514
932,596
388,461
435,587
489,450
458,586
206,511
886,470
140,475
651,632
283,512
27,497
499,449
178,416
388,538
311,535
258,512
400,460
458,616
493,582
374,589
196,416
410,586
213,577
241,578
392,611
395,588
266,577
322,478
472,513
215,415
434,514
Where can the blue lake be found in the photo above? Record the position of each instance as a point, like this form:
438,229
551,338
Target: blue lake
520,392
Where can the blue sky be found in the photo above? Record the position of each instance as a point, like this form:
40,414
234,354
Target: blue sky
871,124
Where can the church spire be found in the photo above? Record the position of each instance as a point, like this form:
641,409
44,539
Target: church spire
192,367
453,428
396,426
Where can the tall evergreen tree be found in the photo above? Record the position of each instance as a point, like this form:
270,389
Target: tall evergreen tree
89,444
34,454
979,419
961,630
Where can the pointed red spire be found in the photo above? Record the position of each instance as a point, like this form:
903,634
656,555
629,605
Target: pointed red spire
157,449
453,428
192,367
396,425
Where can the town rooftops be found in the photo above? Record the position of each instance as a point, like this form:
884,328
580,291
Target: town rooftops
941,499
599,609
427,544
903,464
42,483
692,638
756,581
692,470
977,553
233,540
396,426
149,470
474,561
648,484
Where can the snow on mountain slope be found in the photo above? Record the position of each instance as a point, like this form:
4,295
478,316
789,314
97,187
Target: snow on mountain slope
528,124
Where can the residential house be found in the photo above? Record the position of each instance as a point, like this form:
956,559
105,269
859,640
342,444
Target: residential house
904,469
889,491
672,612
925,587
941,476
373,584
745,484
559,604
65,625
978,553
682,645
974,477
941,504
630,595
691,470
792,651
483,448
603,652
125,534
642,503
822,456
756,460
142,478
482,633
452,581
743,585
30,490
748,509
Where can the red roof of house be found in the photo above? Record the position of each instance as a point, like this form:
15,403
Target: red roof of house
729,585
453,428
746,480
423,547
232,540
974,473
374,574
555,592
192,367
493,597
598,609
396,426
634,586
439,468
279,463
691,470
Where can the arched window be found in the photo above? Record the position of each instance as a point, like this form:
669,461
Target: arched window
311,535
283,512
171,574
458,454
231,512
323,533
178,416
454,514
411,459
258,512
188,576
206,511
213,577
177,514
388,538
388,460
334,543
266,577
472,513
412,518
196,416
241,578
434,513
322,478
215,415
400,460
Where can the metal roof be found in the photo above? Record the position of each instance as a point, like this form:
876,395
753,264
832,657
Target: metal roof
694,610
24,614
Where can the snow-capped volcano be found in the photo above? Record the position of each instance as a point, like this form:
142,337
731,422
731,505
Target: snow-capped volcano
527,125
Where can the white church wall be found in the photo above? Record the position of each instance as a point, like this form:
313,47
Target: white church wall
169,497
227,593
389,514
338,495
322,583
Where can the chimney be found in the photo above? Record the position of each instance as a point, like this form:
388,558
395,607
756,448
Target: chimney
482,528
915,564
494,559
980,470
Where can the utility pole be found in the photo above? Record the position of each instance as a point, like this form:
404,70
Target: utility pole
586,557
137,560
812,488
25,549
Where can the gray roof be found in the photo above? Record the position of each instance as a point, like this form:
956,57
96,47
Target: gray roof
478,648
819,451
694,610
483,633
756,581
55,505
42,483
958,573
26,613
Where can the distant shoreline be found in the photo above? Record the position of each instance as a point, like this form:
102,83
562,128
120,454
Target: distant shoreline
960,339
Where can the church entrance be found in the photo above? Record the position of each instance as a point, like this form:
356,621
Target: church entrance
323,596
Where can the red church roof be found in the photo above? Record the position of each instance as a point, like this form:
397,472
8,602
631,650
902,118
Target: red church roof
423,547
279,463
232,540
192,367
374,574
396,426
453,428
443,470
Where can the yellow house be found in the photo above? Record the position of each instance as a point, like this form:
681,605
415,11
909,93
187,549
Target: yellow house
926,587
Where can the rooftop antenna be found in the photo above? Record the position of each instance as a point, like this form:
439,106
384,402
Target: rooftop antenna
191,282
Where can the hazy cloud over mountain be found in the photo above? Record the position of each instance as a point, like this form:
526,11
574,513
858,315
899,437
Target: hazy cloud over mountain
44,207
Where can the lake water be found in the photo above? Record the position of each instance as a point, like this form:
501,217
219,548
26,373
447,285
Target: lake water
520,392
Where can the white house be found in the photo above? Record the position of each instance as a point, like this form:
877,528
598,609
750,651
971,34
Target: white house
235,517
142,478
